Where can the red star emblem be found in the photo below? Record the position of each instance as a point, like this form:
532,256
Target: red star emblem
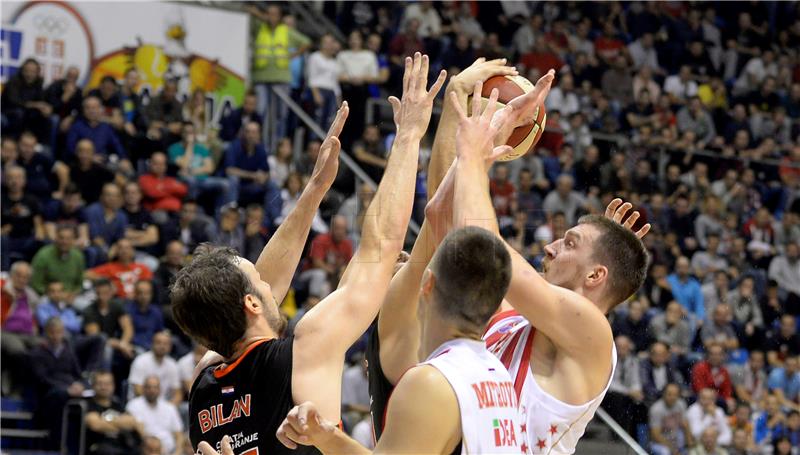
524,448
553,429
523,427
541,444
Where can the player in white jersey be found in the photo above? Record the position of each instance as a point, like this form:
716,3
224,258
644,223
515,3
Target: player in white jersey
461,399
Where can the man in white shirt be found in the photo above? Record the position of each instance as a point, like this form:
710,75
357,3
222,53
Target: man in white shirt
159,417
643,53
157,362
355,393
430,24
563,97
322,73
680,87
705,413
186,366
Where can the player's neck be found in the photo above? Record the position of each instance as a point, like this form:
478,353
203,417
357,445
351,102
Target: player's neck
439,331
253,334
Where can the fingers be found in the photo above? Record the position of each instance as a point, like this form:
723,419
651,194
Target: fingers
306,412
499,151
396,105
619,215
438,84
457,107
413,82
631,220
612,207
407,74
422,76
477,99
492,106
643,231
338,122
205,449
478,61
226,445
283,437
335,147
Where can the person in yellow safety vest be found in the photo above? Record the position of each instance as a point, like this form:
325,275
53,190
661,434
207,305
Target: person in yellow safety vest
274,44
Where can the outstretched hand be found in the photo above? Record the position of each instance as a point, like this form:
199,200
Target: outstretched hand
475,135
480,71
617,210
523,109
327,165
412,113
305,426
205,448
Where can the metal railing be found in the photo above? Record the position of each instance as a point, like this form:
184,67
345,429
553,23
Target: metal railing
616,428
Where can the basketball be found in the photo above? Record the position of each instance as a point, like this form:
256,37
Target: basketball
524,138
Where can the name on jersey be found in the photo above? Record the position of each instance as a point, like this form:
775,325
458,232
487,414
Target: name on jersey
214,416
504,434
495,394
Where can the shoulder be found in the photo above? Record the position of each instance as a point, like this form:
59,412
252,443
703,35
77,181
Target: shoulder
422,384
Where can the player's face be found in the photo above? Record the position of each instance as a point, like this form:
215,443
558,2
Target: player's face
271,312
568,258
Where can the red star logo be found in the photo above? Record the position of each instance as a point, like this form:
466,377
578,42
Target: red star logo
541,444
553,429
523,427
524,448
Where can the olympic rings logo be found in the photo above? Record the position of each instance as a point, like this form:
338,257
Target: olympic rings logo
50,25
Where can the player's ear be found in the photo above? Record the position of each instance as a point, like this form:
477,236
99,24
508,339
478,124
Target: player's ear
428,281
596,276
253,305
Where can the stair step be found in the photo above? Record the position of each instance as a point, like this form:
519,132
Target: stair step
16,415
23,434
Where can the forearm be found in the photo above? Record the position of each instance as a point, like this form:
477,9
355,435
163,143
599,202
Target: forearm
472,204
278,260
341,443
242,174
444,143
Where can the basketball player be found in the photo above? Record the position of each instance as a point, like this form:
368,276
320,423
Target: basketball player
230,305
460,400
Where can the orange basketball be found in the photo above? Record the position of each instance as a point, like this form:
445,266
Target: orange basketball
524,138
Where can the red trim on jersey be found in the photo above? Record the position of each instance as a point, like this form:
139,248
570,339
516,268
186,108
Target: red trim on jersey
499,316
524,364
221,371
508,353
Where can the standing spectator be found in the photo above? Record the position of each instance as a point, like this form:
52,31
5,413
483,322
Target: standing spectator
102,135
720,329
107,222
370,153
329,254
359,68
122,270
157,362
107,316
785,342
18,325
706,414
59,262
709,444
669,428
323,73
22,226
712,374
231,124
146,318
785,268
273,42
634,326
680,87
161,192
657,372
109,429
89,175
165,111
624,398
670,328
750,379
57,375
158,417
195,168
24,104
686,290
784,383
565,200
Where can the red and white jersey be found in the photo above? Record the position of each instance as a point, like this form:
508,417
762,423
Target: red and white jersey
490,419
551,426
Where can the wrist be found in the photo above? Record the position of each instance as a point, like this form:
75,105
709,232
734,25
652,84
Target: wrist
408,134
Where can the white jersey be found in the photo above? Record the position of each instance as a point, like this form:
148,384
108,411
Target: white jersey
490,419
551,426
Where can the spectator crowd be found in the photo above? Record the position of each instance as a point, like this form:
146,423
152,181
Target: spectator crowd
690,111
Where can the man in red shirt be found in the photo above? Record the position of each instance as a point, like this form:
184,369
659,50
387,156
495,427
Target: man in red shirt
502,191
123,272
161,192
329,255
712,374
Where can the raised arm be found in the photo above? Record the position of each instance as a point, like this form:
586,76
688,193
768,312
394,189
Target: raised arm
278,260
339,319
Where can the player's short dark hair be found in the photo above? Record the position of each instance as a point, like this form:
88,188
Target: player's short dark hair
472,271
623,254
208,299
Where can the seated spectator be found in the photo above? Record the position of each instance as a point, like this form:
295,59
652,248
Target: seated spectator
640,113
161,192
747,312
680,87
686,290
709,444
502,192
109,429
354,208
146,318
281,163
290,194
191,227
107,316
157,362
91,126
108,94
785,342
563,97
18,327
370,153
529,201
711,374
624,400
634,326
564,199
142,231
173,261
122,270
656,287
159,417
785,268
750,379
24,103
231,124
65,96
151,445
617,82
69,213
85,172
355,393
720,329
669,429
186,365
57,374
60,262
231,233
791,430
555,229
37,164
717,291
643,52
657,371
195,168
608,45
55,305
671,329
329,255
742,420
22,227
705,263
784,383
768,422
405,45
165,111
706,414
460,55
693,117
256,235
107,222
